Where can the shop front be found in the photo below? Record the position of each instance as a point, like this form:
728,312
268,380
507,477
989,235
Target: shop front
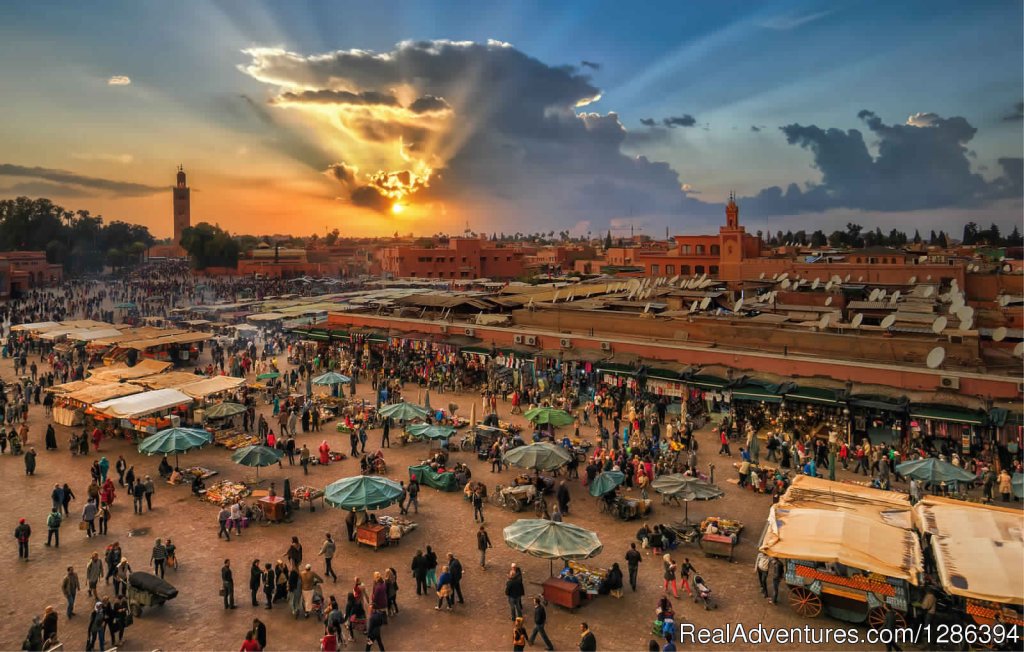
879,417
947,429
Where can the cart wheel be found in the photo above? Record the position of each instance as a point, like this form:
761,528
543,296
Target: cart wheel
876,618
513,503
804,602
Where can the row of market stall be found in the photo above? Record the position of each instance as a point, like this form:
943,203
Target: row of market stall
854,553
117,343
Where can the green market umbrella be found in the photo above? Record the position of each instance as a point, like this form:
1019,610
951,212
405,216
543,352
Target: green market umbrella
256,456
175,440
546,415
269,375
331,378
421,430
539,457
551,540
933,470
125,305
685,488
224,410
605,482
362,492
403,411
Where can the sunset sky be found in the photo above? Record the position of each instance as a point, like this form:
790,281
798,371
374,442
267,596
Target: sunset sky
295,117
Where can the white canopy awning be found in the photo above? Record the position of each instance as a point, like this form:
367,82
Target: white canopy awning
214,385
142,404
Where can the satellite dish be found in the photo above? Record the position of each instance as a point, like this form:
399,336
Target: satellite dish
1019,350
1004,300
929,291
784,276
857,320
913,279
939,324
739,304
828,301
828,286
647,307
965,324
835,278
860,279
888,321
1007,269
825,319
928,278
815,283
705,302
761,276
846,279
935,357
785,284
874,295
922,259
693,307
999,334
895,297
965,313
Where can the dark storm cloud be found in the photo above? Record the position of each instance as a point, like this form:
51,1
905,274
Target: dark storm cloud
110,186
648,122
686,120
1016,115
370,197
590,64
755,128
342,173
339,97
44,189
429,103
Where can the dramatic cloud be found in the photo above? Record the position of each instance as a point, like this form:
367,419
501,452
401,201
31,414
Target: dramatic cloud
44,189
338,97
342,173
474,122
648,122
120,188
924,120
119,80
590,64
755,128
123,159
686,120
1016,115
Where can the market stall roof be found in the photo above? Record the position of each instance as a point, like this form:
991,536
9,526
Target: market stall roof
93,334
67,388
169,380
877,397
131,334
947,413
977,548
214,385
843,537
96,393
815,395
35,326
753,390
888,507
266,316
138,405
182,338
123,372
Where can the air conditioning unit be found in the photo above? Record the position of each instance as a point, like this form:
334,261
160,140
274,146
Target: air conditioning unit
518,339
950,382
956,339
606,346
565,343
470,332
531,340
1020,388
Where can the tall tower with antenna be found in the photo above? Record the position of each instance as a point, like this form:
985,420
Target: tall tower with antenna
182,205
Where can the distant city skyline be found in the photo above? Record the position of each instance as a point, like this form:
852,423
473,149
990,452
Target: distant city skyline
420,117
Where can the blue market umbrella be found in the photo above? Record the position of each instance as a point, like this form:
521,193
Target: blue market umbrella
933,470
175,440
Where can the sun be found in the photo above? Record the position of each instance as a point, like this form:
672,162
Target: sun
397,208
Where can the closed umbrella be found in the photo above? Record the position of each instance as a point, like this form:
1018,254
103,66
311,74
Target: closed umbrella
256,456
362,492
539,457
403,411
933,470
422,430
685,488
546,415
551,540
175,440
331,378
426,402
605,482
224,410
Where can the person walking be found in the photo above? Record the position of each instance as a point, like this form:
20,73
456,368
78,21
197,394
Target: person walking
419,572
222,519
588,642
159,558
295,593
478,506
294,553
483,542
684,575
776,571
455,570
633,559
444,589
304,459
255,580
96,630
23,532
519,638
267,577
373,631
30,461
103,516
308,581
670,567
93,573
69,587
540,619
138,492
563,498
227,584
327,550
120,467
414,495
761,566
53,522
149,489
431,558
514,591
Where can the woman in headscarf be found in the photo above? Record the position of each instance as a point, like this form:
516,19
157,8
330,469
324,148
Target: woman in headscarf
108,492
325,451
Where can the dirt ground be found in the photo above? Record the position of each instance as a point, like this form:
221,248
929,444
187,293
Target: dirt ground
196,619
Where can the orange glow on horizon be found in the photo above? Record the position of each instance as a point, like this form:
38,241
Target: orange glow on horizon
397,208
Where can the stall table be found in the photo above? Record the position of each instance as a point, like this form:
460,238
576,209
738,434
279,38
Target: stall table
309,494
372,534
564,594
273,508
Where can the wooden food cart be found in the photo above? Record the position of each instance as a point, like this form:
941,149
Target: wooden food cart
848,551
372,534
564,594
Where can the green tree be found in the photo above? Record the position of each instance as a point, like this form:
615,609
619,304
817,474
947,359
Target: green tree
1014,239
917,237
608,240
210,246
970,236
818,239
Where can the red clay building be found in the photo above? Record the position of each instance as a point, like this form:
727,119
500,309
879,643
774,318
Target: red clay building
459,258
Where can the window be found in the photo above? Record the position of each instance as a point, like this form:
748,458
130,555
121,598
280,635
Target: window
670,269
700,249
715,250
440,259
463,259
508,259
686,249
699,269
713,270
654,270
684,269
464,274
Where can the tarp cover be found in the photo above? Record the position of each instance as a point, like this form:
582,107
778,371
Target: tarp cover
124,372
428,476
847,538
104,392
213,385
169,380
889,507
142,404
